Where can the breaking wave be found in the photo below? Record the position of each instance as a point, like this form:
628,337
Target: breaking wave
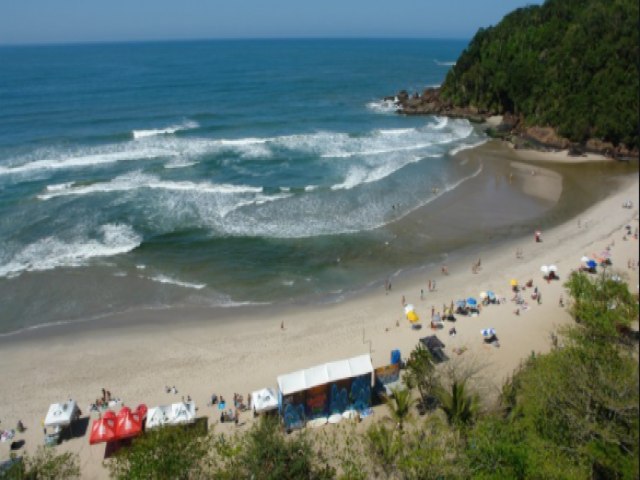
179,283
52,252
190,125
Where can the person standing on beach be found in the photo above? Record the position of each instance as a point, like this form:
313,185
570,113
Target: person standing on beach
430,286
421,294
404,302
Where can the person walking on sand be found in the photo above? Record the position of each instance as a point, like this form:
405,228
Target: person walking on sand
421,294
282,325
430,286
404,302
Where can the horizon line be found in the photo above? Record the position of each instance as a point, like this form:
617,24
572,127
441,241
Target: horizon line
231,39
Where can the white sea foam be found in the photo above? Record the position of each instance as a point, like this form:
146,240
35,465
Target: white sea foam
445,64
138,180
180,164
441,123
179,283
461,148
383,106
188,125
88,158
359,176
59,187
52,252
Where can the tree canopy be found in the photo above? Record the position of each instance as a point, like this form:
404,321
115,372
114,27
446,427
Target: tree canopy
568,64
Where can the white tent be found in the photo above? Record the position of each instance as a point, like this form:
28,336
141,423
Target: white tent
181,412
264,400
61,414
325,373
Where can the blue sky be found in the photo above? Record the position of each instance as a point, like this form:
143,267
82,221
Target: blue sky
65,21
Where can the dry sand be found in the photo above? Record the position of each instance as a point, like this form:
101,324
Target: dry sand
135,355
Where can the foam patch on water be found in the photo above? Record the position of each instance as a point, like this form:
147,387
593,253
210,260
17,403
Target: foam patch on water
445,64
188,125
383,106
138,180
179,283
53,252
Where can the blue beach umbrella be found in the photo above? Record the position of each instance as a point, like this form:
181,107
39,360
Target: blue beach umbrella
472,302
491,295
592,264
460,303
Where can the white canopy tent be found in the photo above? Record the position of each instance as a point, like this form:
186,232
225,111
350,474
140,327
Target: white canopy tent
325,373
61,414
177,413
264,400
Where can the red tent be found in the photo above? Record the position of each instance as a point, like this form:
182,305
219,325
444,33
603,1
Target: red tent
127,424
103,430
141,410
109,415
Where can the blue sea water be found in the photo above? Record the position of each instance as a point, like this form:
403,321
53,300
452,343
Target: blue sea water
216,172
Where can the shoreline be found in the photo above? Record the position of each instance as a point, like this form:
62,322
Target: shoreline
205,350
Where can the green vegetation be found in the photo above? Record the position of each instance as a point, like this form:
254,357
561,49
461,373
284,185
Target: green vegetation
45,464
569,64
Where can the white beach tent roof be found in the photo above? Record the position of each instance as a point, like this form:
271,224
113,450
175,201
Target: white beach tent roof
181,412
61,414
325,373
158,416
264,400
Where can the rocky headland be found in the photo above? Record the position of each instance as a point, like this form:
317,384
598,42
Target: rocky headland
512,128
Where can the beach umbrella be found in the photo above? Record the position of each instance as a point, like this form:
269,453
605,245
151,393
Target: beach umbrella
605,254
491,295
585,259
461,303
592,264
544,269
553,268
472,302
483,295
412,316
487,332
409,308
102,430
513,282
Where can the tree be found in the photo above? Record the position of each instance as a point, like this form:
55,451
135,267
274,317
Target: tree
421,374
173,452
399,404
264,452
459,406
45,465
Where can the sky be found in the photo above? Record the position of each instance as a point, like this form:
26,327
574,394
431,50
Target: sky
79,21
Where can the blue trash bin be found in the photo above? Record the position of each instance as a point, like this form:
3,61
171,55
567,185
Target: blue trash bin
395,356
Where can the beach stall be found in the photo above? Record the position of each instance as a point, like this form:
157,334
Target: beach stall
128,424
264,400
325,391
60,416
103,430
387,378
174,414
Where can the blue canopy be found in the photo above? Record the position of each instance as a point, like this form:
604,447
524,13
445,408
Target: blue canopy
471,302
461,303
491,295
592,264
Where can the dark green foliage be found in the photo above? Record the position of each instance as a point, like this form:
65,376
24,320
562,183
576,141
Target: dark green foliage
264,452
399,404
458,404
570,64
44,465
174,452
421,374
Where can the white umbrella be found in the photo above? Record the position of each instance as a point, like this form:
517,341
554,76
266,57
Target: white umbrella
544,269
409,308
585,259
483,295
553,268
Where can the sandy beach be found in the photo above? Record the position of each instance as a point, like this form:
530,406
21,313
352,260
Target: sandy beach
135,355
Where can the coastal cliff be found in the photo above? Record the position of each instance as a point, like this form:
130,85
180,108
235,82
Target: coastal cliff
562,75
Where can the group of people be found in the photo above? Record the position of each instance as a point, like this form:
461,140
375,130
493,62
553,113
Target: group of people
103,401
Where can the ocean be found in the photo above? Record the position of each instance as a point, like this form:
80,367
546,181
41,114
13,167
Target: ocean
218,173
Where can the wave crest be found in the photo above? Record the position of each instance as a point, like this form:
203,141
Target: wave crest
189,125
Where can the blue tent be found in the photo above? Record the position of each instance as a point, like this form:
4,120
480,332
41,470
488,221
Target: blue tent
472,302
491,295
592,264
